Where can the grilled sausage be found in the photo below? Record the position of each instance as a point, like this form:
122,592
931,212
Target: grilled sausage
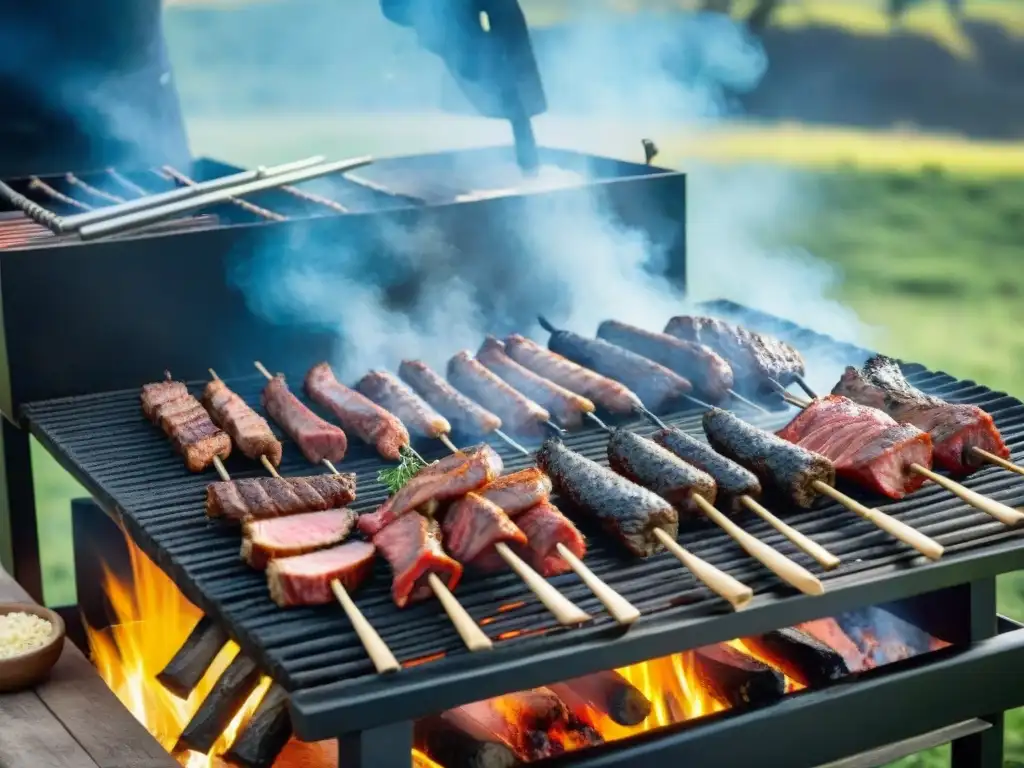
609,394
731,479
787,468
567,407
648,464
396,398
357,413
467,417
626,510
517,492
656,385
708,370
517,412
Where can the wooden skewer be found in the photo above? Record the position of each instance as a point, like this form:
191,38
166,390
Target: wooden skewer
792,573
617,606
737,594
563,609
999,461
825,559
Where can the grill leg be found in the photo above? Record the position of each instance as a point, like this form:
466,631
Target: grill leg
985,749
19,536
389,746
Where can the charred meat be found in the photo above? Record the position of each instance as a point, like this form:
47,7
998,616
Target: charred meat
955,428
781,465
412,546
316,438
249,430
473,527
628,511
467,417
709,372
731,480
518,491
545,527
183,419
866,445
257,498
266,540
518,413
395,397
306,579
648,464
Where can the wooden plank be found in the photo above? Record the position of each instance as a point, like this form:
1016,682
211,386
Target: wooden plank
31,736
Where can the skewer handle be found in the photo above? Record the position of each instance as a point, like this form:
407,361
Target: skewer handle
221,469
824,558
1004,514
563,609
447,443
471,634
375,647
263,369
909,536
267,465
737,594
617,606
999,461
790,572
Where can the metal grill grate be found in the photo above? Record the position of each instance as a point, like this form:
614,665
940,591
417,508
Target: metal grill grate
129,466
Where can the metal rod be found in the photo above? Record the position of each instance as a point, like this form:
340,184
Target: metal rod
264,213
310,197
94,191
46,189
804,386
510,442
144,217
127,183
750,403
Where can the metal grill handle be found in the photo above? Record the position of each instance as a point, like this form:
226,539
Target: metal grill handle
36,212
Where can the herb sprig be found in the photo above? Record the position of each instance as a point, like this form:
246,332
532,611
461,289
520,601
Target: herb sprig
395,477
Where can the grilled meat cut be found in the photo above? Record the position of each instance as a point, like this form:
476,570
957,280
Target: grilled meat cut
624,509
648,464
467,417
412,546
609,394
709,372
567,407
518,491
545,527
392,395
655,384
866,445
306,579
731,480
477,468
266,540
754,357
249,430
518,413
183,419
316,438
257,498
357,413
781,465
955,428
472,527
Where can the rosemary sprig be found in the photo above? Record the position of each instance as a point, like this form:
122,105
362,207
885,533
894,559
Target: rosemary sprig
395,477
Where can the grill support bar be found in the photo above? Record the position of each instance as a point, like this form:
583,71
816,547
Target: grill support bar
389,745
18,530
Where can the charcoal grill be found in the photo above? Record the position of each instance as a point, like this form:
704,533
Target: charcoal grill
128,468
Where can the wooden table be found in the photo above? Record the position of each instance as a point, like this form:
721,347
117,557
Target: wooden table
72,720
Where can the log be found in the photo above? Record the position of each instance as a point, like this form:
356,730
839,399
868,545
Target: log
803,658
456,740
183,672
608,693
736,679
220,706
266,733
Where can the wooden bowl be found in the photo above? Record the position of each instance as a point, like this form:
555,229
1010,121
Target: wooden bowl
24,671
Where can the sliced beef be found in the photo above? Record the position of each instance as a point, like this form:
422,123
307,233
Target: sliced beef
473,526
266,540
306,579
412,546
545,528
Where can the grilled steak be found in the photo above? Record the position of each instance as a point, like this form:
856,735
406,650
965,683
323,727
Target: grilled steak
655,384
866,445
955,428
754,357
412,546
266,540
467,417
518,491
545,528
316,438
567,407
472,527
518,413
392,395
306,579
477,469
357,413
788,468
648,464
609,394
732,480
708,370
626,510
256,498
249,430
183,419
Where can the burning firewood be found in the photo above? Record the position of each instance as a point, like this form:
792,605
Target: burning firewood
608,693
736,679
801,657
220,706
183,672
456,739
266,733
